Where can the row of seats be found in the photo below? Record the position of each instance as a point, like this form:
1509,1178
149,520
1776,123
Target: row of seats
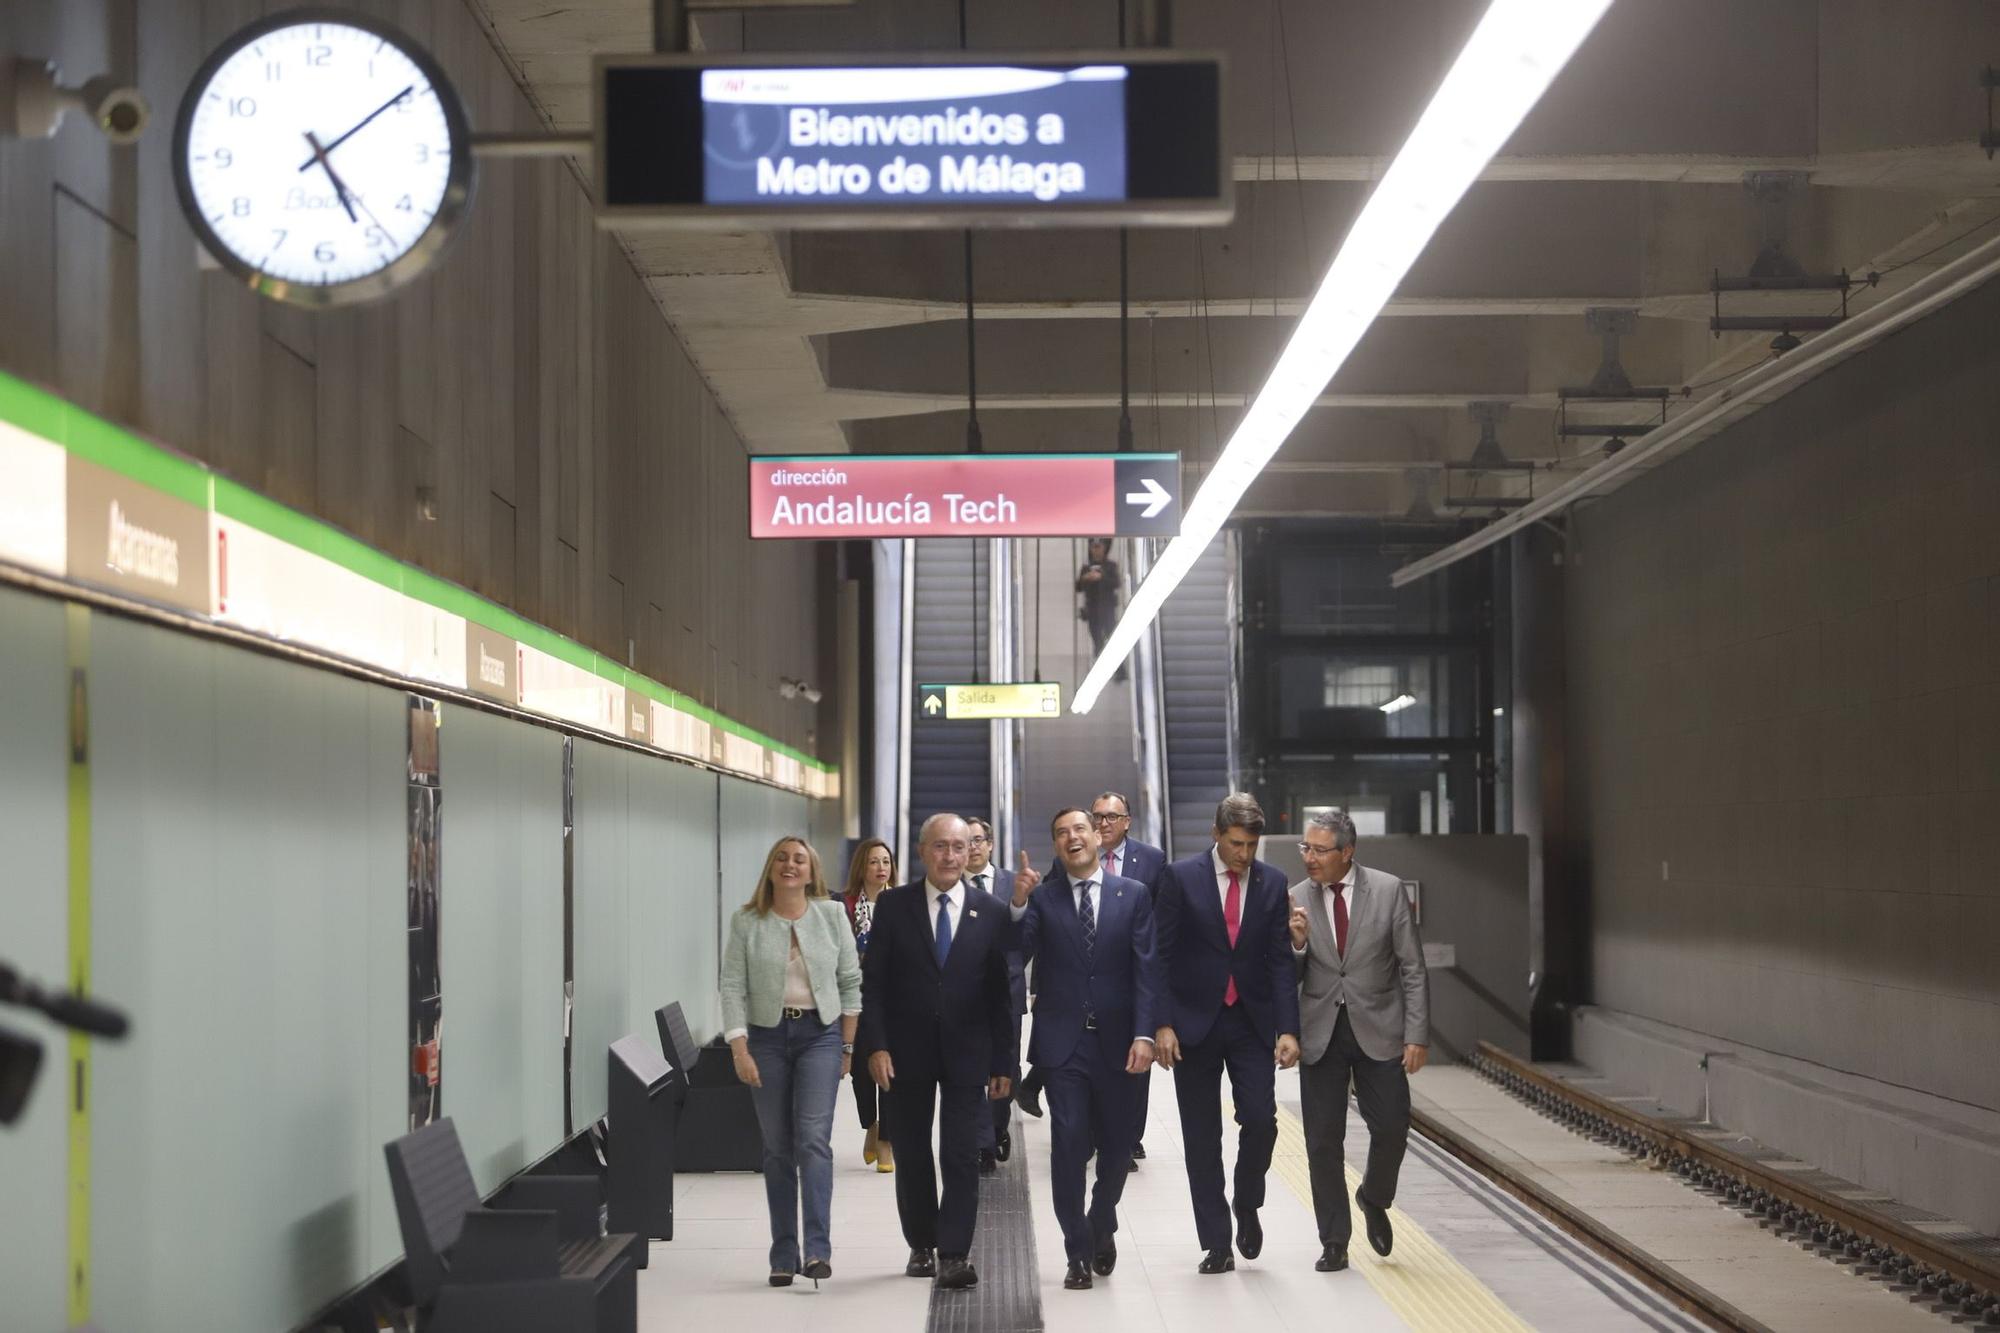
538,1260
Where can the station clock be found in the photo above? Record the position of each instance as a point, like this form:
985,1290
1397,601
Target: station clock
322,156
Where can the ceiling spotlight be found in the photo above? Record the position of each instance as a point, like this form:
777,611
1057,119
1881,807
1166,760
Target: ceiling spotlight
1784,342
1398,704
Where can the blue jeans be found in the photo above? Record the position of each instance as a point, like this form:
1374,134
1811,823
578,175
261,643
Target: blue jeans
798,1062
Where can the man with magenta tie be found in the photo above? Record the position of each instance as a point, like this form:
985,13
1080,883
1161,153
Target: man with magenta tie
1221,920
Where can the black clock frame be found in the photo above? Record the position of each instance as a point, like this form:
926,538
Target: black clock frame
423,252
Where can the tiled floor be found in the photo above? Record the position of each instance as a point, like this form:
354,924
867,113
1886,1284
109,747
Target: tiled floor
1526,1273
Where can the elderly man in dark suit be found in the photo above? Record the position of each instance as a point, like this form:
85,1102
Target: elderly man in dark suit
936,1015
1090,935
1364,998
1233,1003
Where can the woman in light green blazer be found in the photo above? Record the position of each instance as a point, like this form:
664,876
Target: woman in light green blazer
791,992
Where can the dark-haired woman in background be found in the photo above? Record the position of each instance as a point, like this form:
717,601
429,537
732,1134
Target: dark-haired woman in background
791,993
872,870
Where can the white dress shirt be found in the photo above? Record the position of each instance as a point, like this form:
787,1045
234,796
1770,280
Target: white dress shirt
1329,895
1222,883
955,895
1080,888
973,878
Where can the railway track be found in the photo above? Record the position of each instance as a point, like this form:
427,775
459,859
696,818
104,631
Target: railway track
1953,1282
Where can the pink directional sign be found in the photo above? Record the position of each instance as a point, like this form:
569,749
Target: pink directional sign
965,495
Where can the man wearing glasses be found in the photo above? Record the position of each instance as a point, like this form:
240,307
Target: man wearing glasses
1122,854
999,1144
1364,1006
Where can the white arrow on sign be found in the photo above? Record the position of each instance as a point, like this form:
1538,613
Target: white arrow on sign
1154,497
932,704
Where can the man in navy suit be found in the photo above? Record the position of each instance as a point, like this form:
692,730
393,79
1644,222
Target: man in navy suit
1223,925
1111,817
936,1013
1098,989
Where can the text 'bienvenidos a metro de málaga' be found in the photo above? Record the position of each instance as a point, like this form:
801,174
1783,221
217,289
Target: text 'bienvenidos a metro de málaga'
966,172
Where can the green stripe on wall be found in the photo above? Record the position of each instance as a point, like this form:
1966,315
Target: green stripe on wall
118,450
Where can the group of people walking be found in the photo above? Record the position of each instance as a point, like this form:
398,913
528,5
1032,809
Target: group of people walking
1207,966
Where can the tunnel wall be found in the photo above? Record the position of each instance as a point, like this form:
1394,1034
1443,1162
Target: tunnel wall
1784,675
580,471
248,843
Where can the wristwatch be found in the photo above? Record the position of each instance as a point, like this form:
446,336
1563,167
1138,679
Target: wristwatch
847,1048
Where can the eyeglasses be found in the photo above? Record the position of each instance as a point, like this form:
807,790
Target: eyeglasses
1107,819
1307,849
978,841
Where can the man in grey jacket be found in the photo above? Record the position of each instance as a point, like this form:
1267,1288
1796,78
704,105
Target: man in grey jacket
1364,1014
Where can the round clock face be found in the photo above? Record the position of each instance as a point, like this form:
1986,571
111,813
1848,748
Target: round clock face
322,157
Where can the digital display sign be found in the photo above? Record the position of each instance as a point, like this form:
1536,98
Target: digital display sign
967,134
938,139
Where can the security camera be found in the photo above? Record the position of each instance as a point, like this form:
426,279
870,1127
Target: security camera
34,100
118,109
787,688
812,694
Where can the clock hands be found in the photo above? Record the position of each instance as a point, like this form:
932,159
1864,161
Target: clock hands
307,164
339,187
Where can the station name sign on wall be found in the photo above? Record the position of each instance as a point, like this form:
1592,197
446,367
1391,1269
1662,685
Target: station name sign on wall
936,139
965,495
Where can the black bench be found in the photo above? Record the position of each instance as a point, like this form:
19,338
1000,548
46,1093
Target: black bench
538,1265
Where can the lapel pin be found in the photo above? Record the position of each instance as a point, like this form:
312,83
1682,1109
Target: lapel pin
973,912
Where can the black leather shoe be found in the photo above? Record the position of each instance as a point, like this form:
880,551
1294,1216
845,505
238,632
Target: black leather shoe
1381,1236
1217,1261
1004,1148
780,1278
1105,1259
1029,1097
1132,1164
923,1263
1249,1233
1139,1152
1078,1276
989,1161
1332,1259
956,1273
817,1270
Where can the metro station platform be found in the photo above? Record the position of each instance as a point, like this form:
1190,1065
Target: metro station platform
1467,1256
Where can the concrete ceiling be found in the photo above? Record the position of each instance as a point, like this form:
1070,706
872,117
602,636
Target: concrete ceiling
1626,188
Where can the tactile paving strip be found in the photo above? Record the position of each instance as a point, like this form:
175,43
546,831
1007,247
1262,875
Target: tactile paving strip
1008,1298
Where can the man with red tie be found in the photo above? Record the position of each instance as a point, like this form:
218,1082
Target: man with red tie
1365,1002
1221,920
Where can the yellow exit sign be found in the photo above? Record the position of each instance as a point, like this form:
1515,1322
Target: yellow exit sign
959,703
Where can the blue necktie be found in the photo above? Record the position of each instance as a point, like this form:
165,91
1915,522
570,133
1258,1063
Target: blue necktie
1088,915
943,928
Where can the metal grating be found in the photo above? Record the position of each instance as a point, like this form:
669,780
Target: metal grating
1008,1298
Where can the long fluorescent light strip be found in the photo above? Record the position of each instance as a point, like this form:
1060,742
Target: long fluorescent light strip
1506,66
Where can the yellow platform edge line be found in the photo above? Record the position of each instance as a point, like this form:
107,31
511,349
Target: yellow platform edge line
1427,1288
